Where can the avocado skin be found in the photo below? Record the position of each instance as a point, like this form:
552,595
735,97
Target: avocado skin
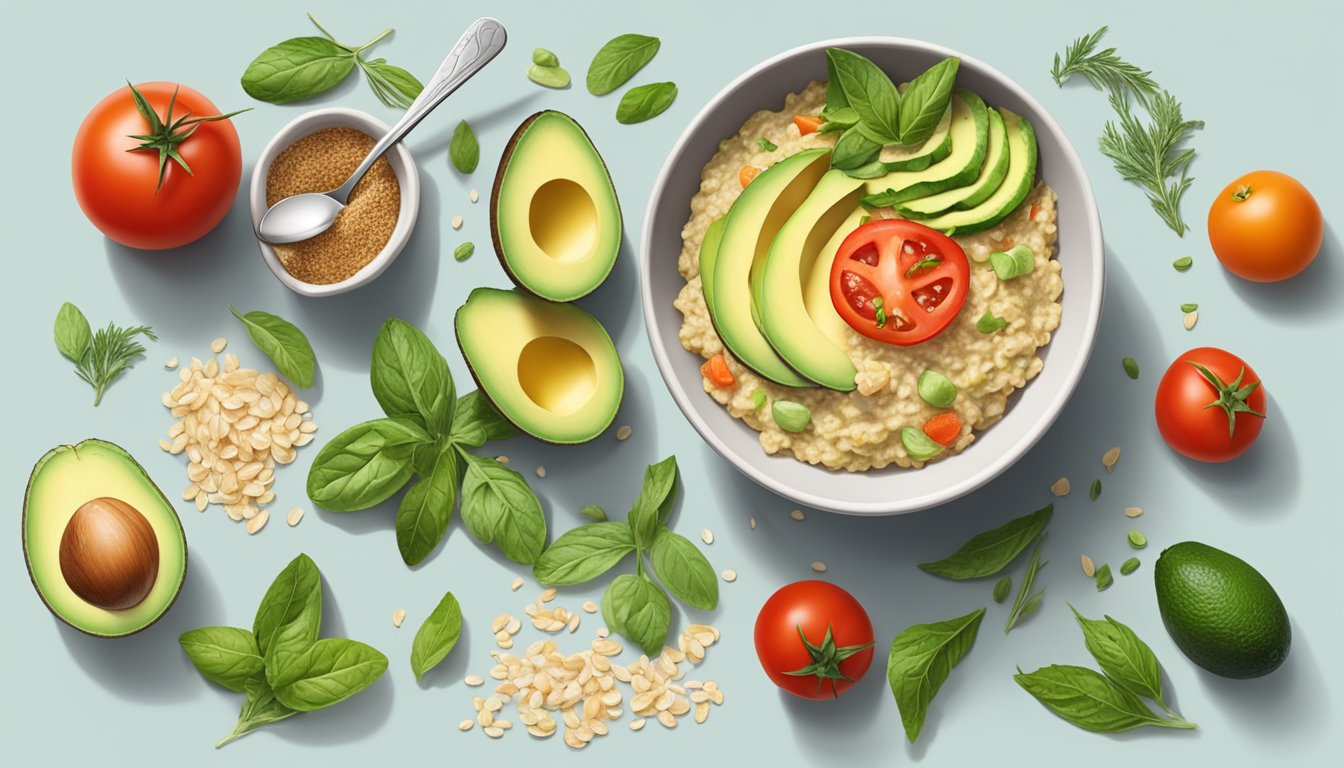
1221,612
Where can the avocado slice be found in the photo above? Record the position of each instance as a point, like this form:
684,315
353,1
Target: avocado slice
992,173
753,221
799,251
709,251
554,216
548,368
933,150
970,139
116,575
1010,194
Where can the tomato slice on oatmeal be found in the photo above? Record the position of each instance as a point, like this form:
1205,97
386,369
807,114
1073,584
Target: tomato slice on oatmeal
899,282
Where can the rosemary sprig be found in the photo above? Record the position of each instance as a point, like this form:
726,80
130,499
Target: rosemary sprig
1151,155
111,351
1026,602
1104,69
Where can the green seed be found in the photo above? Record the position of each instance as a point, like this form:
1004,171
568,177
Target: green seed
936,389
757,399
1137,540
544,58
767,145
791,416
1183,263
1104,578
1131,367
1001,588
1189,307
464,251
548,77
593,512
1129,566
920,446
1095,490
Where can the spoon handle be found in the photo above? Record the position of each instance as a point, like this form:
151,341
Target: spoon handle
481,43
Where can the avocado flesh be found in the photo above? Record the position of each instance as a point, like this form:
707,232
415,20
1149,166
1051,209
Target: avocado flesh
556,222
1221,612
800,250
1010,194
970,138
933,150
62,481
753,221
709,251
548,368
992,172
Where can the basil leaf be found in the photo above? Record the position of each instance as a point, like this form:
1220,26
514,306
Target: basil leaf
476,422
73,334
463,149
1001,588
260,708
410,377
683,569
1089,700
498,506
225,655
294,597
654,503
328,672
618,61
985,554
426,509
645,102
365,464
835,94
593,512
841,118
583,553
870,92
920,660
1122,656
393,86
638,609
854,150
990,323
283,342
925,100
437,636
297,69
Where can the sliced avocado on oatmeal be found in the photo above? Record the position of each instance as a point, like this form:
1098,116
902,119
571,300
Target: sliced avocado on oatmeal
1017,184
970,139
992,173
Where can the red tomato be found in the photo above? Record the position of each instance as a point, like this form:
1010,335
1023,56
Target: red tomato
1210,405
1265,226
898,281
814,640
117,183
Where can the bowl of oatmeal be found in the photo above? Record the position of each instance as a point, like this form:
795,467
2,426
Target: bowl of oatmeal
316,152
853,435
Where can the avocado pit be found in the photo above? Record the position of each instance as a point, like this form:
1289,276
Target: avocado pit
109,555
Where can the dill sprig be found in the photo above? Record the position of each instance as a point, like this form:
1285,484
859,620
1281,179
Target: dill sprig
1151,155
111,351
1104,69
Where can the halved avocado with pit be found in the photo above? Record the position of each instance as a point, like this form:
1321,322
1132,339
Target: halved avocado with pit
105,549
550,369
554,216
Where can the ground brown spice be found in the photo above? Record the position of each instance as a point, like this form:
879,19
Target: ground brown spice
321,161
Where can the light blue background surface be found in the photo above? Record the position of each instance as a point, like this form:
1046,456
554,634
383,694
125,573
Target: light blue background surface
1261,75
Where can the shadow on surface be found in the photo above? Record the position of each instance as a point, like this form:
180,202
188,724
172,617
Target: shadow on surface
1264,485
1288,703
1311,296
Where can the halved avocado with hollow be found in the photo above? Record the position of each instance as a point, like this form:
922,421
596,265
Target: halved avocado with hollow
1010,194
105,549
992,173
548,368
554,216
970,138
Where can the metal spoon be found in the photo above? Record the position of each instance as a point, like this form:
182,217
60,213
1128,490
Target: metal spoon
303,216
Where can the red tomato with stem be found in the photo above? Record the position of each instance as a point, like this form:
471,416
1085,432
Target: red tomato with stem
1210,405
814,640
155,165
1265,226
898,281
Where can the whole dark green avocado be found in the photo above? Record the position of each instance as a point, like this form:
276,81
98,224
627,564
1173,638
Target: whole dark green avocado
1220,611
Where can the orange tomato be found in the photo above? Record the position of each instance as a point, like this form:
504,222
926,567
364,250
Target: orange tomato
1265,227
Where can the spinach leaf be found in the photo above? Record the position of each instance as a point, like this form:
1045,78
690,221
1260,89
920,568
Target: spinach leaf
498,506
437,636
463,149
854,150
426,509
330,671
476,422
990,552
294,598
870,92
1089,700
645,102
364,465
73,334
925,100
297,69
260,708
283,342
921,658
1123,656
683,569
638,609
583,553
654,503
410,377
618,61
225,655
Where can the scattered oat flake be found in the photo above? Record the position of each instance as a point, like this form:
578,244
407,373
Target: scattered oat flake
753,523
548,595
294,516
1109,458
706,535
819,566
729,575
502,459
1089,567
1133,511
171,364
623,432
218,345
517,584
474,680
1190,319
1060,487
475,196
457,222
465,725
541,471
797,514
257,521
637,723
589,606
398,616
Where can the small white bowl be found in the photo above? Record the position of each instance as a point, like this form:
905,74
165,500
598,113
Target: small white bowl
403,165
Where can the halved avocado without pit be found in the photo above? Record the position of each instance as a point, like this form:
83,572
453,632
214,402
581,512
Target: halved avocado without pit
1009,195
554,216
105,549
550,369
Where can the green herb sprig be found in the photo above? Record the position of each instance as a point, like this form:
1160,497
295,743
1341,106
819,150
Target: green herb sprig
1028,602
100,357
1104,69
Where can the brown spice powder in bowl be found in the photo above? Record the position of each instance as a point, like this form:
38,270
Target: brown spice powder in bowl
321,161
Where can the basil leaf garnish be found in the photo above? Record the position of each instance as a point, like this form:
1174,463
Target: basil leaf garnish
225,655
925,100
618,61
583,554
463,149
685,572
283,342
427,508
985,554
365,464
645,102
499,507
437,636
920,660
638,609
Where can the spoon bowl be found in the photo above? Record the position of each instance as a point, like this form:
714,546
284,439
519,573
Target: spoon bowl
298,218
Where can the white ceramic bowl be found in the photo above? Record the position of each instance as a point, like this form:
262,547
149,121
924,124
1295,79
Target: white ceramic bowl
1031,411
403,165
